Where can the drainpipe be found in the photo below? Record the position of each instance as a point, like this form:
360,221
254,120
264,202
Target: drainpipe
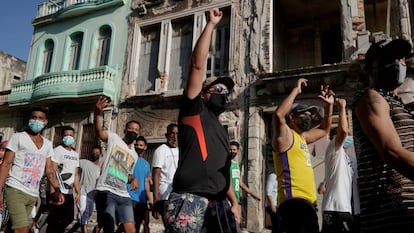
245,160
388,18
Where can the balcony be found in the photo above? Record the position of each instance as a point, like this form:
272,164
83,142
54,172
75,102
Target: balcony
65,84
58,9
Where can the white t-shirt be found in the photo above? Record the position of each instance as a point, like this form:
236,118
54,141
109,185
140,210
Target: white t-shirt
117,163
28,164
68,162
271,188
165,158
338,176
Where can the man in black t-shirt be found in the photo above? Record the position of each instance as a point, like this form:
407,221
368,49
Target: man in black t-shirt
202,183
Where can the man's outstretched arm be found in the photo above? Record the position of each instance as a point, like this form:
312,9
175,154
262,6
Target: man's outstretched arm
199,56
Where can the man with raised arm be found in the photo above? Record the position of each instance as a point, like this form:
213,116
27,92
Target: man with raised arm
113,202
202,183
294,127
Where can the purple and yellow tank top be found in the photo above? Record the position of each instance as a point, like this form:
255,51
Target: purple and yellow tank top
294,172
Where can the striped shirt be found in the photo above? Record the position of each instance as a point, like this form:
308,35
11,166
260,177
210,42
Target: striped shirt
387,197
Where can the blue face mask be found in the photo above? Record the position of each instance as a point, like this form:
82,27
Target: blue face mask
349,140
36,126
68,140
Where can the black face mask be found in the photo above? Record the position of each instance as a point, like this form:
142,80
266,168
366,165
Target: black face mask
217,103
130,137
139,150
232,155
305,122
94,157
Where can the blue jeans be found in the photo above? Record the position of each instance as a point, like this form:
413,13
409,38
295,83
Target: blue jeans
113,209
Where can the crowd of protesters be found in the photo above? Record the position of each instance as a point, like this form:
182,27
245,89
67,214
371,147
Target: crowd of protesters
195,177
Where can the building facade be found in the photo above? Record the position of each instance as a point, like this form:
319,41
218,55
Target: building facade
137,52
77,54
12,70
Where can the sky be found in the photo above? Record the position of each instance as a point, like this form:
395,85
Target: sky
16,26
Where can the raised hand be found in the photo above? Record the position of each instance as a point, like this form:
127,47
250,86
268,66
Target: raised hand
101,104
327,94
340,102
215,16
301,82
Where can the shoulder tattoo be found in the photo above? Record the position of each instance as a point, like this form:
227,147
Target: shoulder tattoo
373,99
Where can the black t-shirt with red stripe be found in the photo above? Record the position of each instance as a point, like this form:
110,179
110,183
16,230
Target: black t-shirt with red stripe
203,167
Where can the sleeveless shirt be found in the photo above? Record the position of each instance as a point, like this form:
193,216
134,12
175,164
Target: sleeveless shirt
386,196
294,172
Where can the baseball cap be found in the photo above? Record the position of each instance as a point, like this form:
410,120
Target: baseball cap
210,81
301,108
387,51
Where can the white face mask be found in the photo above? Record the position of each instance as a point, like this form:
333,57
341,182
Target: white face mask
391,75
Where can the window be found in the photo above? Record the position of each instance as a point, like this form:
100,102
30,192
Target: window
89,140
148,59
75,50
181,48
104,45
303,37
48,55
167,47
57,138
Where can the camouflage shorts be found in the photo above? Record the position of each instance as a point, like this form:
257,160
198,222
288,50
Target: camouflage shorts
191,213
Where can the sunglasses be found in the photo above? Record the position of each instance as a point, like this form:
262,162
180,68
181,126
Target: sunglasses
219,89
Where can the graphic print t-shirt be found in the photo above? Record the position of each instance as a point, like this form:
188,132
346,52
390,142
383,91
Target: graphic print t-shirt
118,162
235,178
67,162
29,163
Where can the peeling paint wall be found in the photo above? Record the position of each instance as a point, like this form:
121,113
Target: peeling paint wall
12,70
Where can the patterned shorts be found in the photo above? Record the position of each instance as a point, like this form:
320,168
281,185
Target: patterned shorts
191,213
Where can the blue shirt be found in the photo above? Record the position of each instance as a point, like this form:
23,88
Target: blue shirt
141,172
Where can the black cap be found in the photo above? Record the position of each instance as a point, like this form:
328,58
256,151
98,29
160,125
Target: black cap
300,108
387,51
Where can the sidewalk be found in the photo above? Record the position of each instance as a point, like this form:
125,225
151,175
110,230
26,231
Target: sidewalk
156,226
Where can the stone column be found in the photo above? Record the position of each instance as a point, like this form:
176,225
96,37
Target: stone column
255,170
346,28
403,13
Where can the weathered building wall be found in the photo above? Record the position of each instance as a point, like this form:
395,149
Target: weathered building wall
272,45
12,70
